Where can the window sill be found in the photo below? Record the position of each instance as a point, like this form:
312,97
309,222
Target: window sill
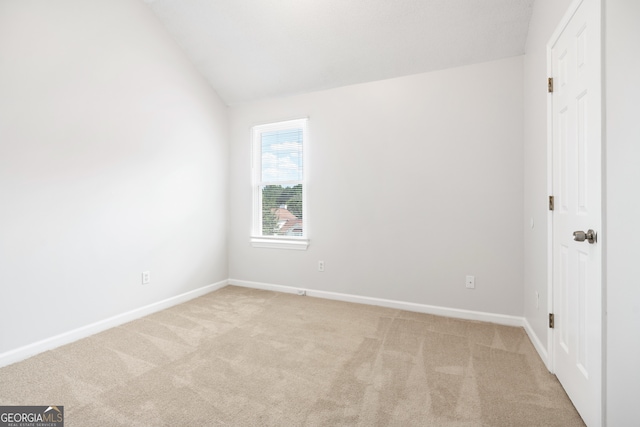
280,243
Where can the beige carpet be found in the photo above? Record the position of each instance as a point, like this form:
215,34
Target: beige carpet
246,357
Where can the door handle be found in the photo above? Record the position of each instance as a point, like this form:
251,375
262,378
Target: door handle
590,236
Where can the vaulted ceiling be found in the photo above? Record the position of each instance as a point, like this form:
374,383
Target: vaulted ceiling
254,49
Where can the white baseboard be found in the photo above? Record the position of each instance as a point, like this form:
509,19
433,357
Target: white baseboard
24,352
21,353
501,319
537,344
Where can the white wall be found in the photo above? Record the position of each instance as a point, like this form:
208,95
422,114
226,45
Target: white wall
113,160
414,183
622,143
544,20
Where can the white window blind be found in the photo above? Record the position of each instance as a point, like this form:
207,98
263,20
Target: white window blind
279,185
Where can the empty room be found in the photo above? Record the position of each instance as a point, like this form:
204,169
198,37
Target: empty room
361,212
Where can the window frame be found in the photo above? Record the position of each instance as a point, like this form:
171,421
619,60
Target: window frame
258,240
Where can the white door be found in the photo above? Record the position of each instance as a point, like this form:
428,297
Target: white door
576,140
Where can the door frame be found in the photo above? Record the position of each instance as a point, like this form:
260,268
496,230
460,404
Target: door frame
550,360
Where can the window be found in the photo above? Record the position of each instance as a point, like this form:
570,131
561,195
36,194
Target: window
279,200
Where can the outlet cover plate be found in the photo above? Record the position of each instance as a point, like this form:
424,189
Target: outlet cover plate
470,282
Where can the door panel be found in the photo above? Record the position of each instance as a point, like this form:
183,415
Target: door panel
576,142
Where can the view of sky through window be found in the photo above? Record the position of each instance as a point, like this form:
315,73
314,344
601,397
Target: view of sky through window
282,155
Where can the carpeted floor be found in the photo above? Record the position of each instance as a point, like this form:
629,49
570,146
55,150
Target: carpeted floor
246,357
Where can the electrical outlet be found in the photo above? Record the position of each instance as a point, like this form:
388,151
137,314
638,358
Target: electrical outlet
470,282
320,265
146,277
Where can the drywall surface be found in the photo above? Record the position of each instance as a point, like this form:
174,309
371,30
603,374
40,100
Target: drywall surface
544,20
257,49
414,183
622,69
113,161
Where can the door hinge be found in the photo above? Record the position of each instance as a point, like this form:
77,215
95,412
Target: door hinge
551,321
551,203
550,84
